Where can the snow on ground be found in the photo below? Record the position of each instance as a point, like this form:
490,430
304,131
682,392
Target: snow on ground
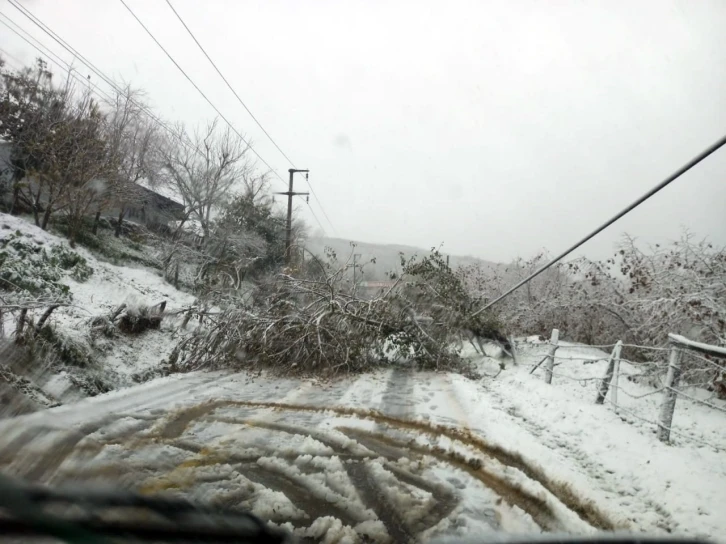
106,289
389,455
396,454
612,457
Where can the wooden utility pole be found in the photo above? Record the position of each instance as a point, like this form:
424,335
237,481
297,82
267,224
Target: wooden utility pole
288,235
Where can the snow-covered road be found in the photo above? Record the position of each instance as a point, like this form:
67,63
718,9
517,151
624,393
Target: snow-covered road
390,455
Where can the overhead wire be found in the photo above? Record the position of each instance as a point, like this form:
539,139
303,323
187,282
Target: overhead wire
70,49
10,56
29,38
64,44
199,90
63,65
662,185
7,56
214,65
239,99
206,98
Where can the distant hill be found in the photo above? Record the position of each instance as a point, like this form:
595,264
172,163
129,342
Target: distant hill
386,255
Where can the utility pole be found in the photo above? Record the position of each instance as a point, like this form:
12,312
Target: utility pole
290,193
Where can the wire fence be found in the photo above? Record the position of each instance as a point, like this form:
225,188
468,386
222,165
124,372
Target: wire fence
684,373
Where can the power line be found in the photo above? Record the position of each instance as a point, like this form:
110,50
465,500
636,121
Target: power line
715,147
70,49
63,65
227,82
65,45
10,56
316,217
151,35
229,85
319,203
28,37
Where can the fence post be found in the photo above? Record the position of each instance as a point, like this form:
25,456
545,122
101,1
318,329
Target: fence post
513,345
550,365
668,405
614,359
616,374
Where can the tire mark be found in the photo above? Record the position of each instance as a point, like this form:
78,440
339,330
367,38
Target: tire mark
585,509
296,494
374,498
536,507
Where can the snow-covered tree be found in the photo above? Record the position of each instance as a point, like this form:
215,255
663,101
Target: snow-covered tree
203,168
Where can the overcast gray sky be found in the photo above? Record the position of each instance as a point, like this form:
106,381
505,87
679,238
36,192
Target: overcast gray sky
496,128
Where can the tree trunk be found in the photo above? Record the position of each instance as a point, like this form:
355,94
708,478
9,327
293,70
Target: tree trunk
16,197
45,317
96,221
36,208
20,326
46,217
117,232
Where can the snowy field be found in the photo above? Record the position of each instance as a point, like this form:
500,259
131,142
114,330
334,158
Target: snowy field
393,455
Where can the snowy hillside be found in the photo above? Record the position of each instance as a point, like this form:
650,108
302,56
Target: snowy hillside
394,455
110,360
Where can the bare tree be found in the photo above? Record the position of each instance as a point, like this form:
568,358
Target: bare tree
203,169
133,139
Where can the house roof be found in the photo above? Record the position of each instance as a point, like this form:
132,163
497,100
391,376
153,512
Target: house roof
168,202
162,190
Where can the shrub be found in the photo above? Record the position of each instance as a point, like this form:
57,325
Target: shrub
139,320
26,267
71,261
69,351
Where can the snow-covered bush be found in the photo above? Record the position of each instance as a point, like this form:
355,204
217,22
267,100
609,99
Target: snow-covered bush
639,296
27,267
69,350
72,262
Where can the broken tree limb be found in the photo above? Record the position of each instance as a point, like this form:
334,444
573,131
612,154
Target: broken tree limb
44,317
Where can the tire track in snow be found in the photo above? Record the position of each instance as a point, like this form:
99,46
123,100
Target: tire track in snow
552,439
397,399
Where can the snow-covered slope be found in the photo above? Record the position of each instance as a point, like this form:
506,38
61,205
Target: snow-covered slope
121,357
